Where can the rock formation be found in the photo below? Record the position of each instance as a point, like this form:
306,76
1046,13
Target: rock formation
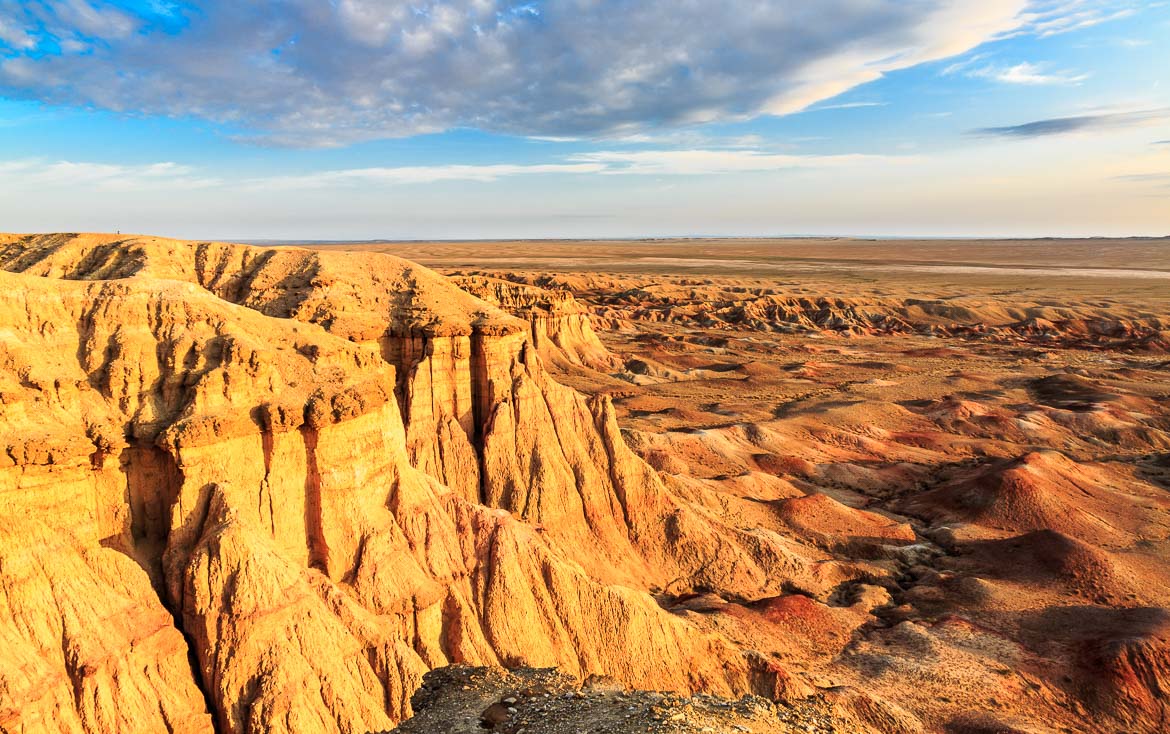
325,474
561,328
719,304
252,489
967,464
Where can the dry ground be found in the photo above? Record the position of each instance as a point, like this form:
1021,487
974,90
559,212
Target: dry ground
1008,401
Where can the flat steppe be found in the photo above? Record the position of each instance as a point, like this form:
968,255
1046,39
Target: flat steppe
898,262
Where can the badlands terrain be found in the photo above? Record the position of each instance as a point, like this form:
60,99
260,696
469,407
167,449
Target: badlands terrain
551,487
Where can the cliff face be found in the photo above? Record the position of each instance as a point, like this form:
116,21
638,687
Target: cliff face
560,327
251,490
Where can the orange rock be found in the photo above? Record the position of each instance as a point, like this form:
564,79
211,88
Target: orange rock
337,472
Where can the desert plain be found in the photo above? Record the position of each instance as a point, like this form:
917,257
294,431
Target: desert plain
799,485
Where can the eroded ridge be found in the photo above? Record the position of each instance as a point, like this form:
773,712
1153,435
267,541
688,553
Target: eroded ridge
323,473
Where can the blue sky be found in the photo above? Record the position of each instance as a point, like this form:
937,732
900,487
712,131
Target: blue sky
478,118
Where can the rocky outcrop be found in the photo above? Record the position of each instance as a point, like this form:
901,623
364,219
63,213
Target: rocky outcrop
230,474
559,326
461,700
720,304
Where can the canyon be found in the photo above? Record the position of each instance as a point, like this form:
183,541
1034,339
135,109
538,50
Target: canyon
306,488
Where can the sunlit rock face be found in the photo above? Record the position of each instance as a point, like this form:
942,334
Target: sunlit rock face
258,490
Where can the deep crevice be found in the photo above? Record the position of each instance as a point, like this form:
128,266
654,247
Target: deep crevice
314,527
152,483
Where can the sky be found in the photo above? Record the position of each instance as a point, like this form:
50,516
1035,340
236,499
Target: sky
466,119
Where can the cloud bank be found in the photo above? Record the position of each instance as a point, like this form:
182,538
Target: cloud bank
310,73
166,175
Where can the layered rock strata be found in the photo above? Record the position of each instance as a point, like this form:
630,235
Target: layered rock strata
250,490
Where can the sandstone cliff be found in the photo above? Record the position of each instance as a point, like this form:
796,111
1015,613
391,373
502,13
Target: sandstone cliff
560,327
248,490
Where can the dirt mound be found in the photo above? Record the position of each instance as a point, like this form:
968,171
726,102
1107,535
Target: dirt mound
827,522
1132,666
1071,392
1120,664
1047,556
1038,491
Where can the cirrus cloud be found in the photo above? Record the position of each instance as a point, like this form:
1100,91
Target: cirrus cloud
32,173
1078,124
306,73
162,176
708,162
1027,73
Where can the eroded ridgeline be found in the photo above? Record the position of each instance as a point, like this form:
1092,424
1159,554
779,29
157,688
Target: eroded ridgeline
232,472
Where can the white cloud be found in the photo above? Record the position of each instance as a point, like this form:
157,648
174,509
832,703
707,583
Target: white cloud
688,138
15,36
1053,186
82,175
709,162
1053,17
418,175
693,162
849,105
304,72
962,64
1027,73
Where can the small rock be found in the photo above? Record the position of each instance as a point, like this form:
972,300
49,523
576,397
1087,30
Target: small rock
493,715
